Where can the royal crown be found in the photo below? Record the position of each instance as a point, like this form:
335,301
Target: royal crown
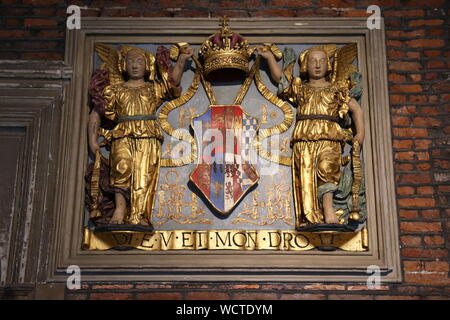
225,55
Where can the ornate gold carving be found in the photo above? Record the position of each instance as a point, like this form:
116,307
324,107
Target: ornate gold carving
278,206
171,203
275,130
180,134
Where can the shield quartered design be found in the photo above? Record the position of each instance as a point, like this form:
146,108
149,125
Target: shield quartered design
224,172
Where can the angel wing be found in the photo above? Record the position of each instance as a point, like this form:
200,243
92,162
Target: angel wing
344,58
110,58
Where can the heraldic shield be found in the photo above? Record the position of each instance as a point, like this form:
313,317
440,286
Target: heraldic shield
224,173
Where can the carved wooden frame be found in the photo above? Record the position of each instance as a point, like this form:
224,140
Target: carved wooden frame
227,265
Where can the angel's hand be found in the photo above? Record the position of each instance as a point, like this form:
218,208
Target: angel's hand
186,54
359,137
264,52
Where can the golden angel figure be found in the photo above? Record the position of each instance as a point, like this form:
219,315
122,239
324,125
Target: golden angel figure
322,97
138,85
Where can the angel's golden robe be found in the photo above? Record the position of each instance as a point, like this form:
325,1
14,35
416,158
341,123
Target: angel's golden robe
136,145
317,144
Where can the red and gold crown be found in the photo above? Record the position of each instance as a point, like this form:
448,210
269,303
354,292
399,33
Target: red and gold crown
225,55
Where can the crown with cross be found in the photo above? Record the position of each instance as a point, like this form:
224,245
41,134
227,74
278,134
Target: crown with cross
225,55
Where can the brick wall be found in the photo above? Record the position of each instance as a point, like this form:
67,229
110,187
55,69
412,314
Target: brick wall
418,52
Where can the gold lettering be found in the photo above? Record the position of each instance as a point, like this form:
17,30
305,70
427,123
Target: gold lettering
287,235
244,237
163,238
146,238
187,238
270,239
228,238
305,241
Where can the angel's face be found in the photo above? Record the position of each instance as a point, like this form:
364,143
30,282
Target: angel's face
135,65
317,64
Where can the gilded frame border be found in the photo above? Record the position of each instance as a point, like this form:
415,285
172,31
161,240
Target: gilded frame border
225,265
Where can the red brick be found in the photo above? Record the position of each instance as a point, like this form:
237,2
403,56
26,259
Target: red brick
436,64
253,296
416,178
423,166
424,253
421,3
403,13
427,122
411,241
421,43
436,32
50,34
42,55
401,121
437,298
110,296
436,266
420,226
159,296
442,164
153,286
407,289
402,144
350,297
406,88
245,286
404,191
410,132
422,156
274,13
291,3
417,202
41,2
337,3
403,166
14,33
354,13
395,77
415,77
433,53
426,190
395,43
207,295
395,54
434,240
405,156
417,99
321,286
75,296
302,296
404,66
413,54
430,110
409,214
390,297
428,22
396,99
422,143
404,109
444,189
34,22
112,286
427,279
191,13
44,12
364,288
405,34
